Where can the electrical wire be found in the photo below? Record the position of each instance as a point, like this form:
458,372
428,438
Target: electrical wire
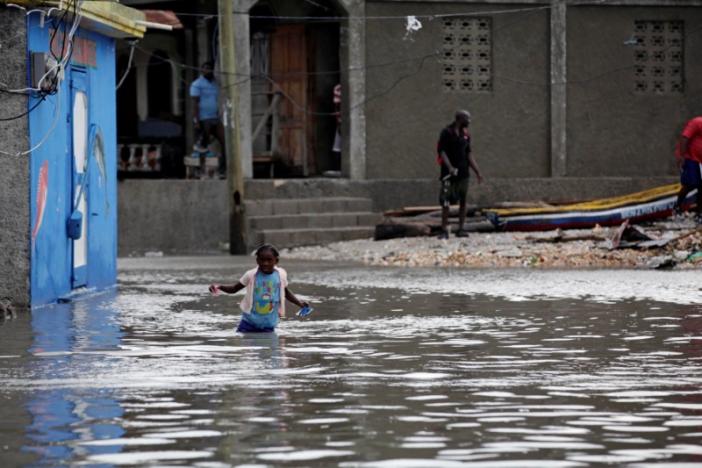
27,12
66,48
387,17
289,74
379,17
54,34
50,71
422,59
363,102
544,84
132,46
403,17
57,115
65,57
25,113
215,37
56,87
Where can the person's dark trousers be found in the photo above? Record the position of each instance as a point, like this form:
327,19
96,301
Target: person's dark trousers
213,128
208,129
690,179
682,194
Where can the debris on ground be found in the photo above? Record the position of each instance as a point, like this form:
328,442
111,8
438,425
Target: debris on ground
672,243
662,262
417,221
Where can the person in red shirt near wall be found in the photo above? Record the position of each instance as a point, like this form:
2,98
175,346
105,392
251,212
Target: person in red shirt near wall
689,158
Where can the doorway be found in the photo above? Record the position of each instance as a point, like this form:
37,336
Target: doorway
79,164
295,67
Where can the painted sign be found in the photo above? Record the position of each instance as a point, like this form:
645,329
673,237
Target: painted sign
84,50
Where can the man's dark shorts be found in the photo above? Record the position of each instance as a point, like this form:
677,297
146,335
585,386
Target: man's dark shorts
454,191
690,174
208,129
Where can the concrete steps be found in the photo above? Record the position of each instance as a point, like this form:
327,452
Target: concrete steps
299,237
293,222
291,206
316,220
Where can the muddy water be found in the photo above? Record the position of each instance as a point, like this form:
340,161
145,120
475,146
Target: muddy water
427,368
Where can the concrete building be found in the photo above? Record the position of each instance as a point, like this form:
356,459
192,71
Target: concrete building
57,154
556,88
570,100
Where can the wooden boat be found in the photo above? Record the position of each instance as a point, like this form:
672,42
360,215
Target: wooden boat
648,205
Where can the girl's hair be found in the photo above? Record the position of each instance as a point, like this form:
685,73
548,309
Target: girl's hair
268,247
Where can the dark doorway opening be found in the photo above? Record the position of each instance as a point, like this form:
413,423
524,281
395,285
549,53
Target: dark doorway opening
295,67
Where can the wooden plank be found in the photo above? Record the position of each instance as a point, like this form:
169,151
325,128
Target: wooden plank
271,109
289,71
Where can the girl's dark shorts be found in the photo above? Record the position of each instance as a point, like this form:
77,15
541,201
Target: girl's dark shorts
246,327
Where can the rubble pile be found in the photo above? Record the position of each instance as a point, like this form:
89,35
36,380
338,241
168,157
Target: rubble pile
670,244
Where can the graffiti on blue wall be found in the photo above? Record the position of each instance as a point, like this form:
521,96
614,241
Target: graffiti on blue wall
74,188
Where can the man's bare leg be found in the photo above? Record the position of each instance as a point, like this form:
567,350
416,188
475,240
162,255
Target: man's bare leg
444,221
461,214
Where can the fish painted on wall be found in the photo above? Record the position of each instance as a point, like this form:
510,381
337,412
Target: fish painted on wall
42,192
98,151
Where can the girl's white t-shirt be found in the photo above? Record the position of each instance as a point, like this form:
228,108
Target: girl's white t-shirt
249,280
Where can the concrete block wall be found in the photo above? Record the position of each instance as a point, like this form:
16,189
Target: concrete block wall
611,129
172,216
407,106
14,170
563,99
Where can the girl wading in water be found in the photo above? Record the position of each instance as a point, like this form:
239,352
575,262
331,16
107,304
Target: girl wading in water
266,291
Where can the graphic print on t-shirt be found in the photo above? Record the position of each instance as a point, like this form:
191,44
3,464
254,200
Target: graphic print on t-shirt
266,293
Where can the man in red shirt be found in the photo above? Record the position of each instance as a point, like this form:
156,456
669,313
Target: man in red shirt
689,158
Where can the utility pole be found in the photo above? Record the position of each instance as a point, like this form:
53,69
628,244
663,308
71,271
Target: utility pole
559,94
235,176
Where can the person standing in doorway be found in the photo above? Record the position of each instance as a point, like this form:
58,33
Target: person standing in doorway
205,94
336,149
456,159
689,160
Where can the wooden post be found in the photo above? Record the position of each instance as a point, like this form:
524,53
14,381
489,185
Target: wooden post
229,88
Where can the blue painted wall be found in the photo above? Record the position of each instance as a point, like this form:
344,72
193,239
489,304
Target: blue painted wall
52,173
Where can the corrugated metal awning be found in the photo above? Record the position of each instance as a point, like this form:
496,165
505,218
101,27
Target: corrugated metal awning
165,17
105,17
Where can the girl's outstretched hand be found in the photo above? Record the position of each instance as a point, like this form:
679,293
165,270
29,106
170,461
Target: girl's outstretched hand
305,310
214,289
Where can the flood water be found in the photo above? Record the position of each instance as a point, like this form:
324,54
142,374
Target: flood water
395,368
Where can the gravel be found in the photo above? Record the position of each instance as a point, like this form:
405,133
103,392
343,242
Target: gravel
517,249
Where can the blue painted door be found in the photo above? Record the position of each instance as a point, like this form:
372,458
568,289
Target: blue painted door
79,123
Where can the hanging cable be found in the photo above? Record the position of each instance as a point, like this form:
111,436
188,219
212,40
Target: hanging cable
132,46
27,112
57,113
55,86
379,17
66,50
215,49
395,83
